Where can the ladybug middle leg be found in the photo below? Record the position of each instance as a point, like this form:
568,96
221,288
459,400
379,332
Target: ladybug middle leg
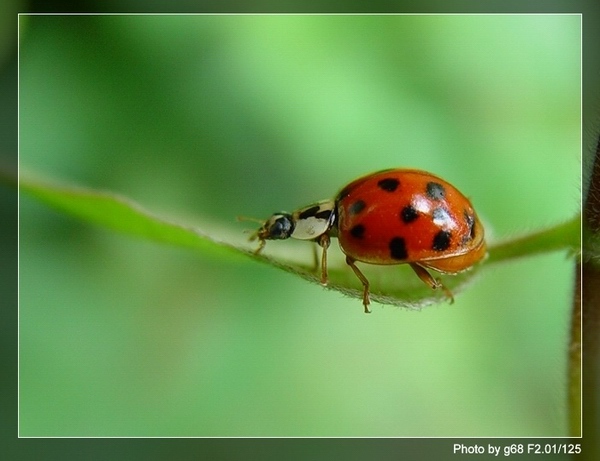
350,261
431,281
323,242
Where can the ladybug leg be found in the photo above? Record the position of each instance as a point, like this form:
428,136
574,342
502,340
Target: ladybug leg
363,280
432,282
324,241
260,247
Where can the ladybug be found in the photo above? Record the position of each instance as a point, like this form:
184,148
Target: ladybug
394,216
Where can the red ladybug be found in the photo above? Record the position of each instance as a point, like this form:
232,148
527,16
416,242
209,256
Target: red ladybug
395,216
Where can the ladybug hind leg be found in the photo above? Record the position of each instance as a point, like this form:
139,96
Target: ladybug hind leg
351,262
428,279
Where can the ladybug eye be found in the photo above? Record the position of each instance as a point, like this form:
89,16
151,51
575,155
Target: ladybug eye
280,227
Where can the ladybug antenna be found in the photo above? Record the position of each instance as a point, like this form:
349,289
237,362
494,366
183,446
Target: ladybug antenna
255,233
246,218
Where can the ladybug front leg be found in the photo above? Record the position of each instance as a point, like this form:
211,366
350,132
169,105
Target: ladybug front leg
432,282
350,261
261,245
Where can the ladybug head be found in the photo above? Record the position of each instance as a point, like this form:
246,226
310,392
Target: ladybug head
278,227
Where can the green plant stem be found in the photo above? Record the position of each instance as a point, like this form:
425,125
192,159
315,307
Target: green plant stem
566,235
574,360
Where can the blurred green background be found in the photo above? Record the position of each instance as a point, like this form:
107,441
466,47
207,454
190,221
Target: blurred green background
204,118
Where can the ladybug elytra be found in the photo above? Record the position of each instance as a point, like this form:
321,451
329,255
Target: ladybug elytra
395,216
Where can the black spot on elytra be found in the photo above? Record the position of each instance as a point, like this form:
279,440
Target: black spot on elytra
398,248
441,240
358,231
309,212
357,207
408,214
435,191
388,184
